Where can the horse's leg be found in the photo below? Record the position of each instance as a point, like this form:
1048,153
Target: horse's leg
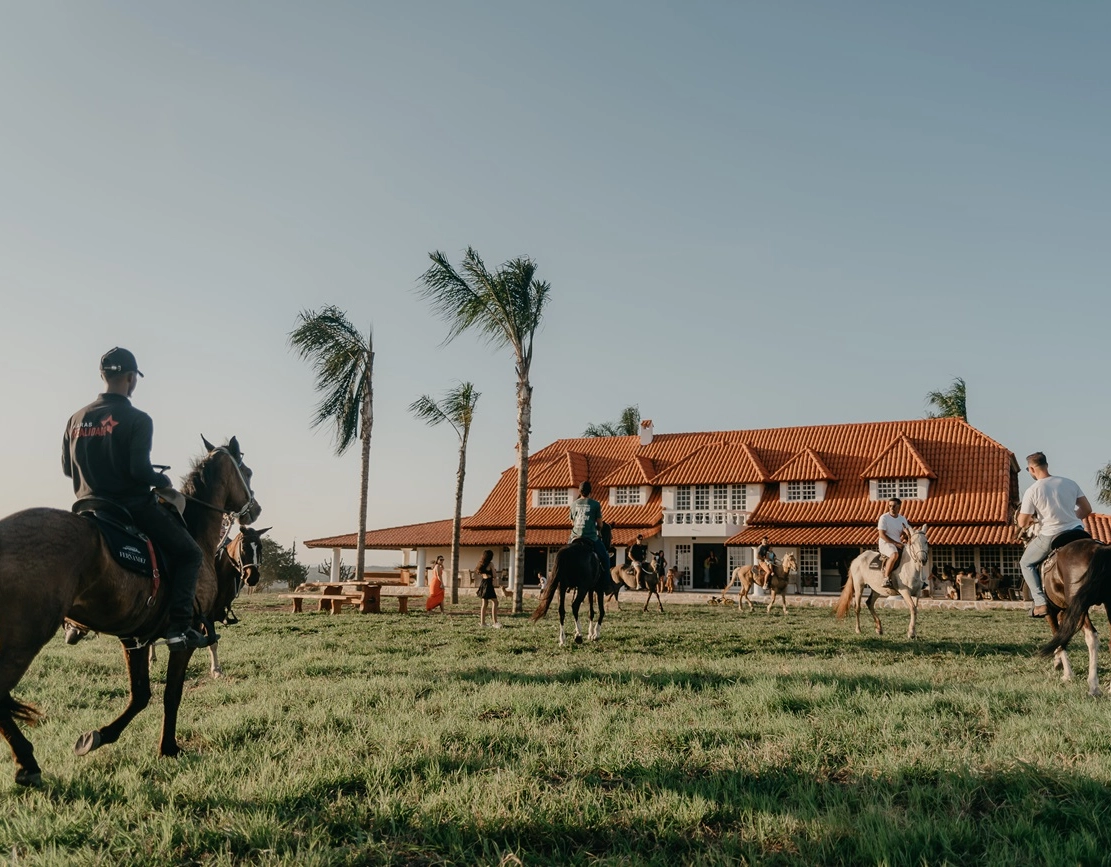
858,591
1060,655
783,601
576,604
597,628
214,661
138,672
171,701
1092,640
659,601
13,665
772,602
912,605
562,612
872,609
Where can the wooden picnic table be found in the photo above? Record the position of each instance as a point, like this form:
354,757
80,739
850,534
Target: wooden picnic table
362,595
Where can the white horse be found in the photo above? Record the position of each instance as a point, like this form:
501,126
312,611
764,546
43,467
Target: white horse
910,577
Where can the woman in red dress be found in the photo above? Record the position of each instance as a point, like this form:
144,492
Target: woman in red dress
436,587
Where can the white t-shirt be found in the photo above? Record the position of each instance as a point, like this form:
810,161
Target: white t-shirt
892,525
1052,501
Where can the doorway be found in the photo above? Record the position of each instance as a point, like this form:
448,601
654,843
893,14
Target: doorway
717,570
536,561
835,568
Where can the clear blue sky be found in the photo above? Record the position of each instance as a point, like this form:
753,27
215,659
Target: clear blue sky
808,212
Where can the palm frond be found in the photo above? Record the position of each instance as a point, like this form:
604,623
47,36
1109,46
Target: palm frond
1103,485
456,408
951,403
340,356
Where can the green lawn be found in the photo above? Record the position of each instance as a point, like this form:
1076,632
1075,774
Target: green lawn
696,736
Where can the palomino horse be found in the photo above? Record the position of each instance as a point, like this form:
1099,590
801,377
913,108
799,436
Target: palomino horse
777,582
238,562
647,574
910,576
55,565
1079,578
577,568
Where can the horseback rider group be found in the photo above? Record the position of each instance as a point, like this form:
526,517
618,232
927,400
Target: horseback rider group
106,451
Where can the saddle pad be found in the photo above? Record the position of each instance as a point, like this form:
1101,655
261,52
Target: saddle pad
877,560
128,547
1062,539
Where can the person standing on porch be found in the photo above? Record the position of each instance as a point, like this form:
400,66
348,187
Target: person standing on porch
893,529
1060,506
707,565
436,587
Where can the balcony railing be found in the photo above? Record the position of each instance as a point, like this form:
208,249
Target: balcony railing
705,519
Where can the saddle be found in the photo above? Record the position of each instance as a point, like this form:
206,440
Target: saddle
878,560
130,548
1049,565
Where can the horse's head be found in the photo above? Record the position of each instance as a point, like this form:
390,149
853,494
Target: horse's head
790,564
918,547
250,554
229,480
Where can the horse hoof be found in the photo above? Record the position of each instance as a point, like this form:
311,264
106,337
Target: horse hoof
28,778
217,673
87,743
578,639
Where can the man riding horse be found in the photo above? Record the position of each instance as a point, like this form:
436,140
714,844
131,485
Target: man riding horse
106,451
1060,507
638,553
894,531
586,516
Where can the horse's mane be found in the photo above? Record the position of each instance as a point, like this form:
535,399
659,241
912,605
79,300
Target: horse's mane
195,483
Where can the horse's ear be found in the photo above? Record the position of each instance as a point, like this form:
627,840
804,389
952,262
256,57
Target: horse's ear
233,446
260,532
922,529
208,446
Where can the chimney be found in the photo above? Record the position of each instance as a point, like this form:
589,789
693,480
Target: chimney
646,432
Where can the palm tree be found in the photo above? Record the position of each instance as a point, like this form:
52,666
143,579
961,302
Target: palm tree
343,359
505,308
626,426
1103,484
457,409
950,403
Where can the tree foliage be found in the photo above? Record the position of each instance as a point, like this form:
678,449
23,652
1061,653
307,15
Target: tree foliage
950,403
280,566
626,426
1103,485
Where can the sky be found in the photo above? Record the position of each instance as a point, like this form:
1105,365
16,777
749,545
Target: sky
751,215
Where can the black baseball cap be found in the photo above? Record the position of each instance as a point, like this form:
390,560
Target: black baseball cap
119,360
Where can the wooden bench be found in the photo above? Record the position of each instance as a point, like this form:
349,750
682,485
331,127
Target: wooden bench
332,597
403,600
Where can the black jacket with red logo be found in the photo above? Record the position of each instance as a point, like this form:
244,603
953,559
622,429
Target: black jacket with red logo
106,451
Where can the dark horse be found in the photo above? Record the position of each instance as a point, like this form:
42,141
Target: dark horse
238,562
1079,579
577,568
55,565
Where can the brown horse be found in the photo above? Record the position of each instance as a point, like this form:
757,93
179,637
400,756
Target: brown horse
648,575
238,562
55,565
777,583
1075,577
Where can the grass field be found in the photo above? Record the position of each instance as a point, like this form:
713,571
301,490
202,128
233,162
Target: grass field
697,736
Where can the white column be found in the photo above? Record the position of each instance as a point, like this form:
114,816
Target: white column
337,558
420,567
513,574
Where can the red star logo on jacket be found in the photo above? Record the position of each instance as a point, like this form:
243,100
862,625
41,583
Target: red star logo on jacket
108,425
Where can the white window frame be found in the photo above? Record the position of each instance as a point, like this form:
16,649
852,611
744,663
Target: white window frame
627,495
548,497
810,566
738,497
683,562
801,491
904,489
683,498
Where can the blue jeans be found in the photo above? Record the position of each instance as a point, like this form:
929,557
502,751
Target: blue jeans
1032,557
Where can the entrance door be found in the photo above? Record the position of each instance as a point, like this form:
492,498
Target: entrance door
835,568
536,561
717,570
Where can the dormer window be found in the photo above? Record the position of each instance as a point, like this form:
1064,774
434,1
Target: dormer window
799,492
553,497
627,495
904,489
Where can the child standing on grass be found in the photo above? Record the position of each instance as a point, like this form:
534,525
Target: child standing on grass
487,592
436,587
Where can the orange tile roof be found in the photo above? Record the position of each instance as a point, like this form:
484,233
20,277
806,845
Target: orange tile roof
900,460
974,486
865,537
1099,526
806,466
437,534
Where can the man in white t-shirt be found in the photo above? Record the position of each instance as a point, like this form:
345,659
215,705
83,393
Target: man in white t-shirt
894,532
1060,506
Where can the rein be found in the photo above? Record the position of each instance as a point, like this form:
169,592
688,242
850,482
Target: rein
239,471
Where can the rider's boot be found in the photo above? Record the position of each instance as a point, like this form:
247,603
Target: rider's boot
889,582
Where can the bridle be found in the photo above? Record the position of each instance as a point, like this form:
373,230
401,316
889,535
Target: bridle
241,563
920,553
231,513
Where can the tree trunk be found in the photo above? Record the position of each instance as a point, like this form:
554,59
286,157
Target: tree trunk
367,424
524,424
458,519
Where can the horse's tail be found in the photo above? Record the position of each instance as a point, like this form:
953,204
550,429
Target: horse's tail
549,590
17,710
846,597
1092,589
